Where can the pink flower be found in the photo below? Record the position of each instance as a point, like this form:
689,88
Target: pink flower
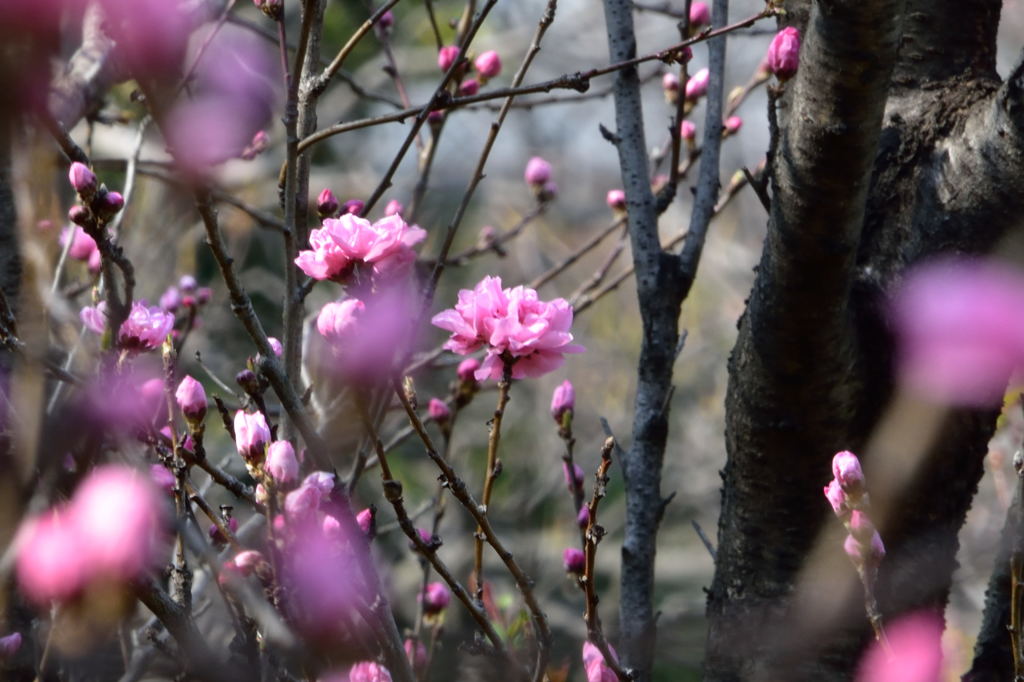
847,472
353,206
573,560
916,644
365,519
438,411
446,56
350,240
259,143
583,517
302,503
322,481
784,53
252,435
321,581
563,400
82,179
961,330
733,125
281,463
327,204
616,199
670,82
275,346
367,671
488,64
513,323
688,131
837,498
538,172
594,664
82,245
246,561
435,597
191,399
467,368
700,15
145,329
338,321
49,564
697,86
151,35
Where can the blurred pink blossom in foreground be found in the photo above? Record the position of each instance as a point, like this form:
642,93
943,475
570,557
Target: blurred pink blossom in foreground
110,530
961,329
594,664
916,642
145,329
345,242
512,322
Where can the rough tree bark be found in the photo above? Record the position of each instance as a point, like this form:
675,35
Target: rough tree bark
899,142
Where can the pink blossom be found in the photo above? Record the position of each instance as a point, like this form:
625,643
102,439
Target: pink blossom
321,581
446,56
563,400
915,641
252,435
350,240
697,86
573,560
151,35
338,321
353,206
488,64
533,333
865,555
688,131
191,399
368,671
847,472
469,87
784,53
467,368
82,245
837,498
365,519
281,463
700,15
246,561
82,179
322,481
302,503
961,330
538,172
616,199
170,300
733,125
49,566
145,329
327,204
438,411
594,664
394,207
435,597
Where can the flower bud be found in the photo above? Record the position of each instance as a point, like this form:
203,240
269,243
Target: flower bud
538,172
322,481
784,53
170,300
367,520
670,86
435,597
394,207
108,204
563,400
327,204
574,561
700,16
575,478
301,503
416,652
469,87
82,245
354,206
865,555
583,517
368,671
275,346
259,143
732,126
252,435
466,371
82,180
438,411
272,8
191,399
697,86
837,498
386,21
446,56
488,64
616,200
248,380
847,471
216,536
79,215
688,131
247,561
281,464
163,477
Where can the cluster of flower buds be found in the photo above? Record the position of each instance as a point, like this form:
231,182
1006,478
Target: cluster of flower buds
416,652
187,294
847,493
487,66
538,177
98,204
82,247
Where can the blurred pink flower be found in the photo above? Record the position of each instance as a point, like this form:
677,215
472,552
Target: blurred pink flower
348,241
916,643
82,245
246,561
367,671
784,53
322,481
338,321
394,207
563,400
302,503
151,35
321,580
10,644
538,172
594,664
162,478
365,519
145,329
670,83
435,597
961,330
697,86
688,131
438,410
467,369
534,333
416,652
469,87
48,564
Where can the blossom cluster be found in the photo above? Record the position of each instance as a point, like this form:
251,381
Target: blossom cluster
516,327
343,244
847,494
145,329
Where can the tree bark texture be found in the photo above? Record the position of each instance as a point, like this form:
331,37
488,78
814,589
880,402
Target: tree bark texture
899,143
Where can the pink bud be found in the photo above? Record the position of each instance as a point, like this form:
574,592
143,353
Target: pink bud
446,56
247,561
467,368
837,498
354,206
847,471
435,116
549,191
191,399
563,400
697,86
216,536
865,555
331,528
261,495
82,179
162,477
82,245
861,527
9,646
275,346
48,564
95,261
322,481
79,215
327,204
108,205
368,671
583,517
488,64
670,82
394,207
700,15
281,462
438,411
538,172
688,131
784,53
301,503
575,479
416,653
733,125
170,300
595,666
337,321
469,87
386,20
252,435
259,143
573,560
616,199
425,536
366,520
435,597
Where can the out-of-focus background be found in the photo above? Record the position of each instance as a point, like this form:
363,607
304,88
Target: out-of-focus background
532,509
